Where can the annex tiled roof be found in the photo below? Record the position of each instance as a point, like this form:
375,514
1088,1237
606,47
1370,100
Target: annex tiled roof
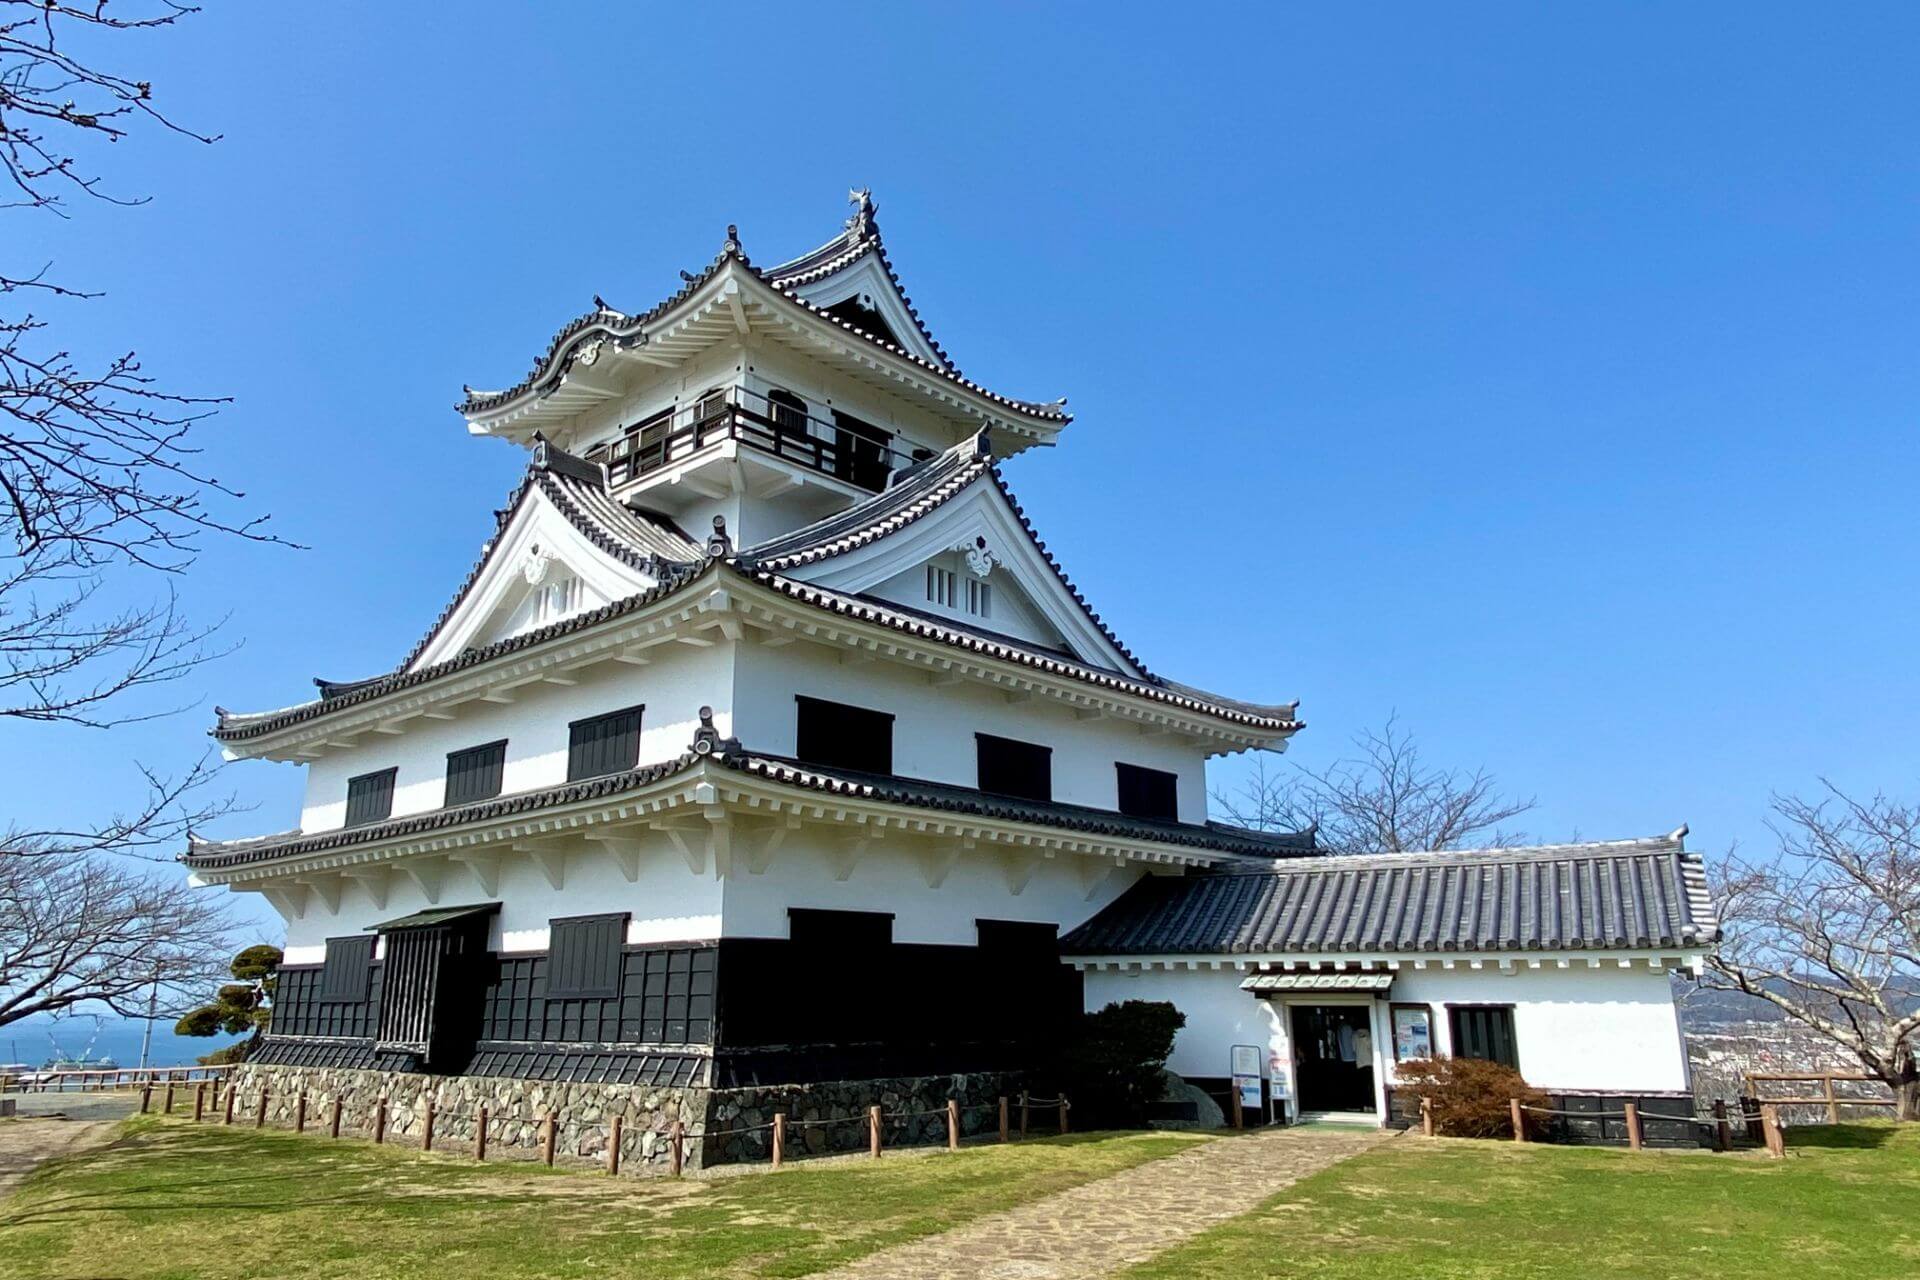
1627,894
590,1064
621,329
909,792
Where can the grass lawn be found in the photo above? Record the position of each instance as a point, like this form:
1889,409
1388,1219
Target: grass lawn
169,1199
1846,1202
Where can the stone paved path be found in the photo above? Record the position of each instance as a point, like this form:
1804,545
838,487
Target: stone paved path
1096,1229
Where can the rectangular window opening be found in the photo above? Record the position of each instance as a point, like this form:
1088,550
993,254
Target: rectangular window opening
349,964
603,744
370,797
584,956
475,773
1148,793
1484,1031
1009,767
837,736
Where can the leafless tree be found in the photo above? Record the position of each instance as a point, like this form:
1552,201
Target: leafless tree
1385,798
100,485
1827,929
77,930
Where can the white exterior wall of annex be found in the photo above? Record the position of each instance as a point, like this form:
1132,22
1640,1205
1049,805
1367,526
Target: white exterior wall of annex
1577,1029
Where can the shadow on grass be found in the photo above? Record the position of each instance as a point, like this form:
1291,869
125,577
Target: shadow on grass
1867,1136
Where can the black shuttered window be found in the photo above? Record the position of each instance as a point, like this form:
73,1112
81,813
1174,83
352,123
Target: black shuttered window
370,797
1485,1031
349,963
475,774
584,957
1148,793
1012,768
837,736
605,744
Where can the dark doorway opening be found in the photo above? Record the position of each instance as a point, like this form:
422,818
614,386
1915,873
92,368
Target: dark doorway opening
1333,1056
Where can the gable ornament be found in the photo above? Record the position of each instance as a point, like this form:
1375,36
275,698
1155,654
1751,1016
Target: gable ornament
534,567
980,557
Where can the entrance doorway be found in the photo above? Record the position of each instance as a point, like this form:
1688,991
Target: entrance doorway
1333,1057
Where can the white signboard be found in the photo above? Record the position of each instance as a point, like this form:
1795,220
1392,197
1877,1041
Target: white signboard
1244,1065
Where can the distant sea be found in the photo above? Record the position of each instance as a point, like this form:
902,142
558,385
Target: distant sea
34,1040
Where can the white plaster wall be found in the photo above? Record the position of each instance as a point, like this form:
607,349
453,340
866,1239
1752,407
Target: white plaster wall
673,687
668,902
1576,1028
891,877
934,726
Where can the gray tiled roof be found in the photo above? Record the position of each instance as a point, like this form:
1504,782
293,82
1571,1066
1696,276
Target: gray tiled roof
1626,894
914,793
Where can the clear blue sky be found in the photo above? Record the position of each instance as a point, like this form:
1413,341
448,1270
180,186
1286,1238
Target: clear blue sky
1547,377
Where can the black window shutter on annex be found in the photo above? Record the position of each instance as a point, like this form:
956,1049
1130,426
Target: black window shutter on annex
476,773
605,744
584,957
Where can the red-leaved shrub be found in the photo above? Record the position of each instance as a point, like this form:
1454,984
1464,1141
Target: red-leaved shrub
1470,1096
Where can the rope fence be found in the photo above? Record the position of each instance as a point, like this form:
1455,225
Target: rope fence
213,1103
1762,1122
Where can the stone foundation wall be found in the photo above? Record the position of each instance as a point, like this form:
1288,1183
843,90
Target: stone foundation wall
832,1116
725,1126
583,1112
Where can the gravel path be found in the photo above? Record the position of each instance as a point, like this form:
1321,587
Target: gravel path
1096,1229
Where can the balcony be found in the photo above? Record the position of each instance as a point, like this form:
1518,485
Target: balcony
844,447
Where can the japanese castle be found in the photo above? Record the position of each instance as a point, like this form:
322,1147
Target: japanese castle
766,745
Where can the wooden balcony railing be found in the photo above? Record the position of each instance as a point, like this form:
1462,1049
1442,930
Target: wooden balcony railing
844,447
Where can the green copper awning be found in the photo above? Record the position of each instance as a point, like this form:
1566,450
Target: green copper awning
435,915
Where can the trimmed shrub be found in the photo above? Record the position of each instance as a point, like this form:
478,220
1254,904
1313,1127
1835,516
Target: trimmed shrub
1470,1096
1110,1067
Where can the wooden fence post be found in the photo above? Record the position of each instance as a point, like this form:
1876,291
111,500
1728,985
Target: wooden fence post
678,1142
228,1118
873,1131
300,1112
1833,1104
1519,1119
480,1135
1003,1117
1426,1117
1024,1109
260,1111
546,1139
613,1146
1633,1126
146,1098
333,1126
953,1124
1770,1130
1722,1131
168,1108
779,1137
1239,1117
1063,1113
200,1100
426,1128
380,1120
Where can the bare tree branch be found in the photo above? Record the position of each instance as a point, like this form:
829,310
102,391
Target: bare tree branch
1827,930
1383,799
78,931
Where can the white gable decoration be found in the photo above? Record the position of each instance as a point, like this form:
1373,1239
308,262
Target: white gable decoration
539,570
976,533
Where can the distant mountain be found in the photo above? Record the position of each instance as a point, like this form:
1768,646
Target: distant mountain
1705,1009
